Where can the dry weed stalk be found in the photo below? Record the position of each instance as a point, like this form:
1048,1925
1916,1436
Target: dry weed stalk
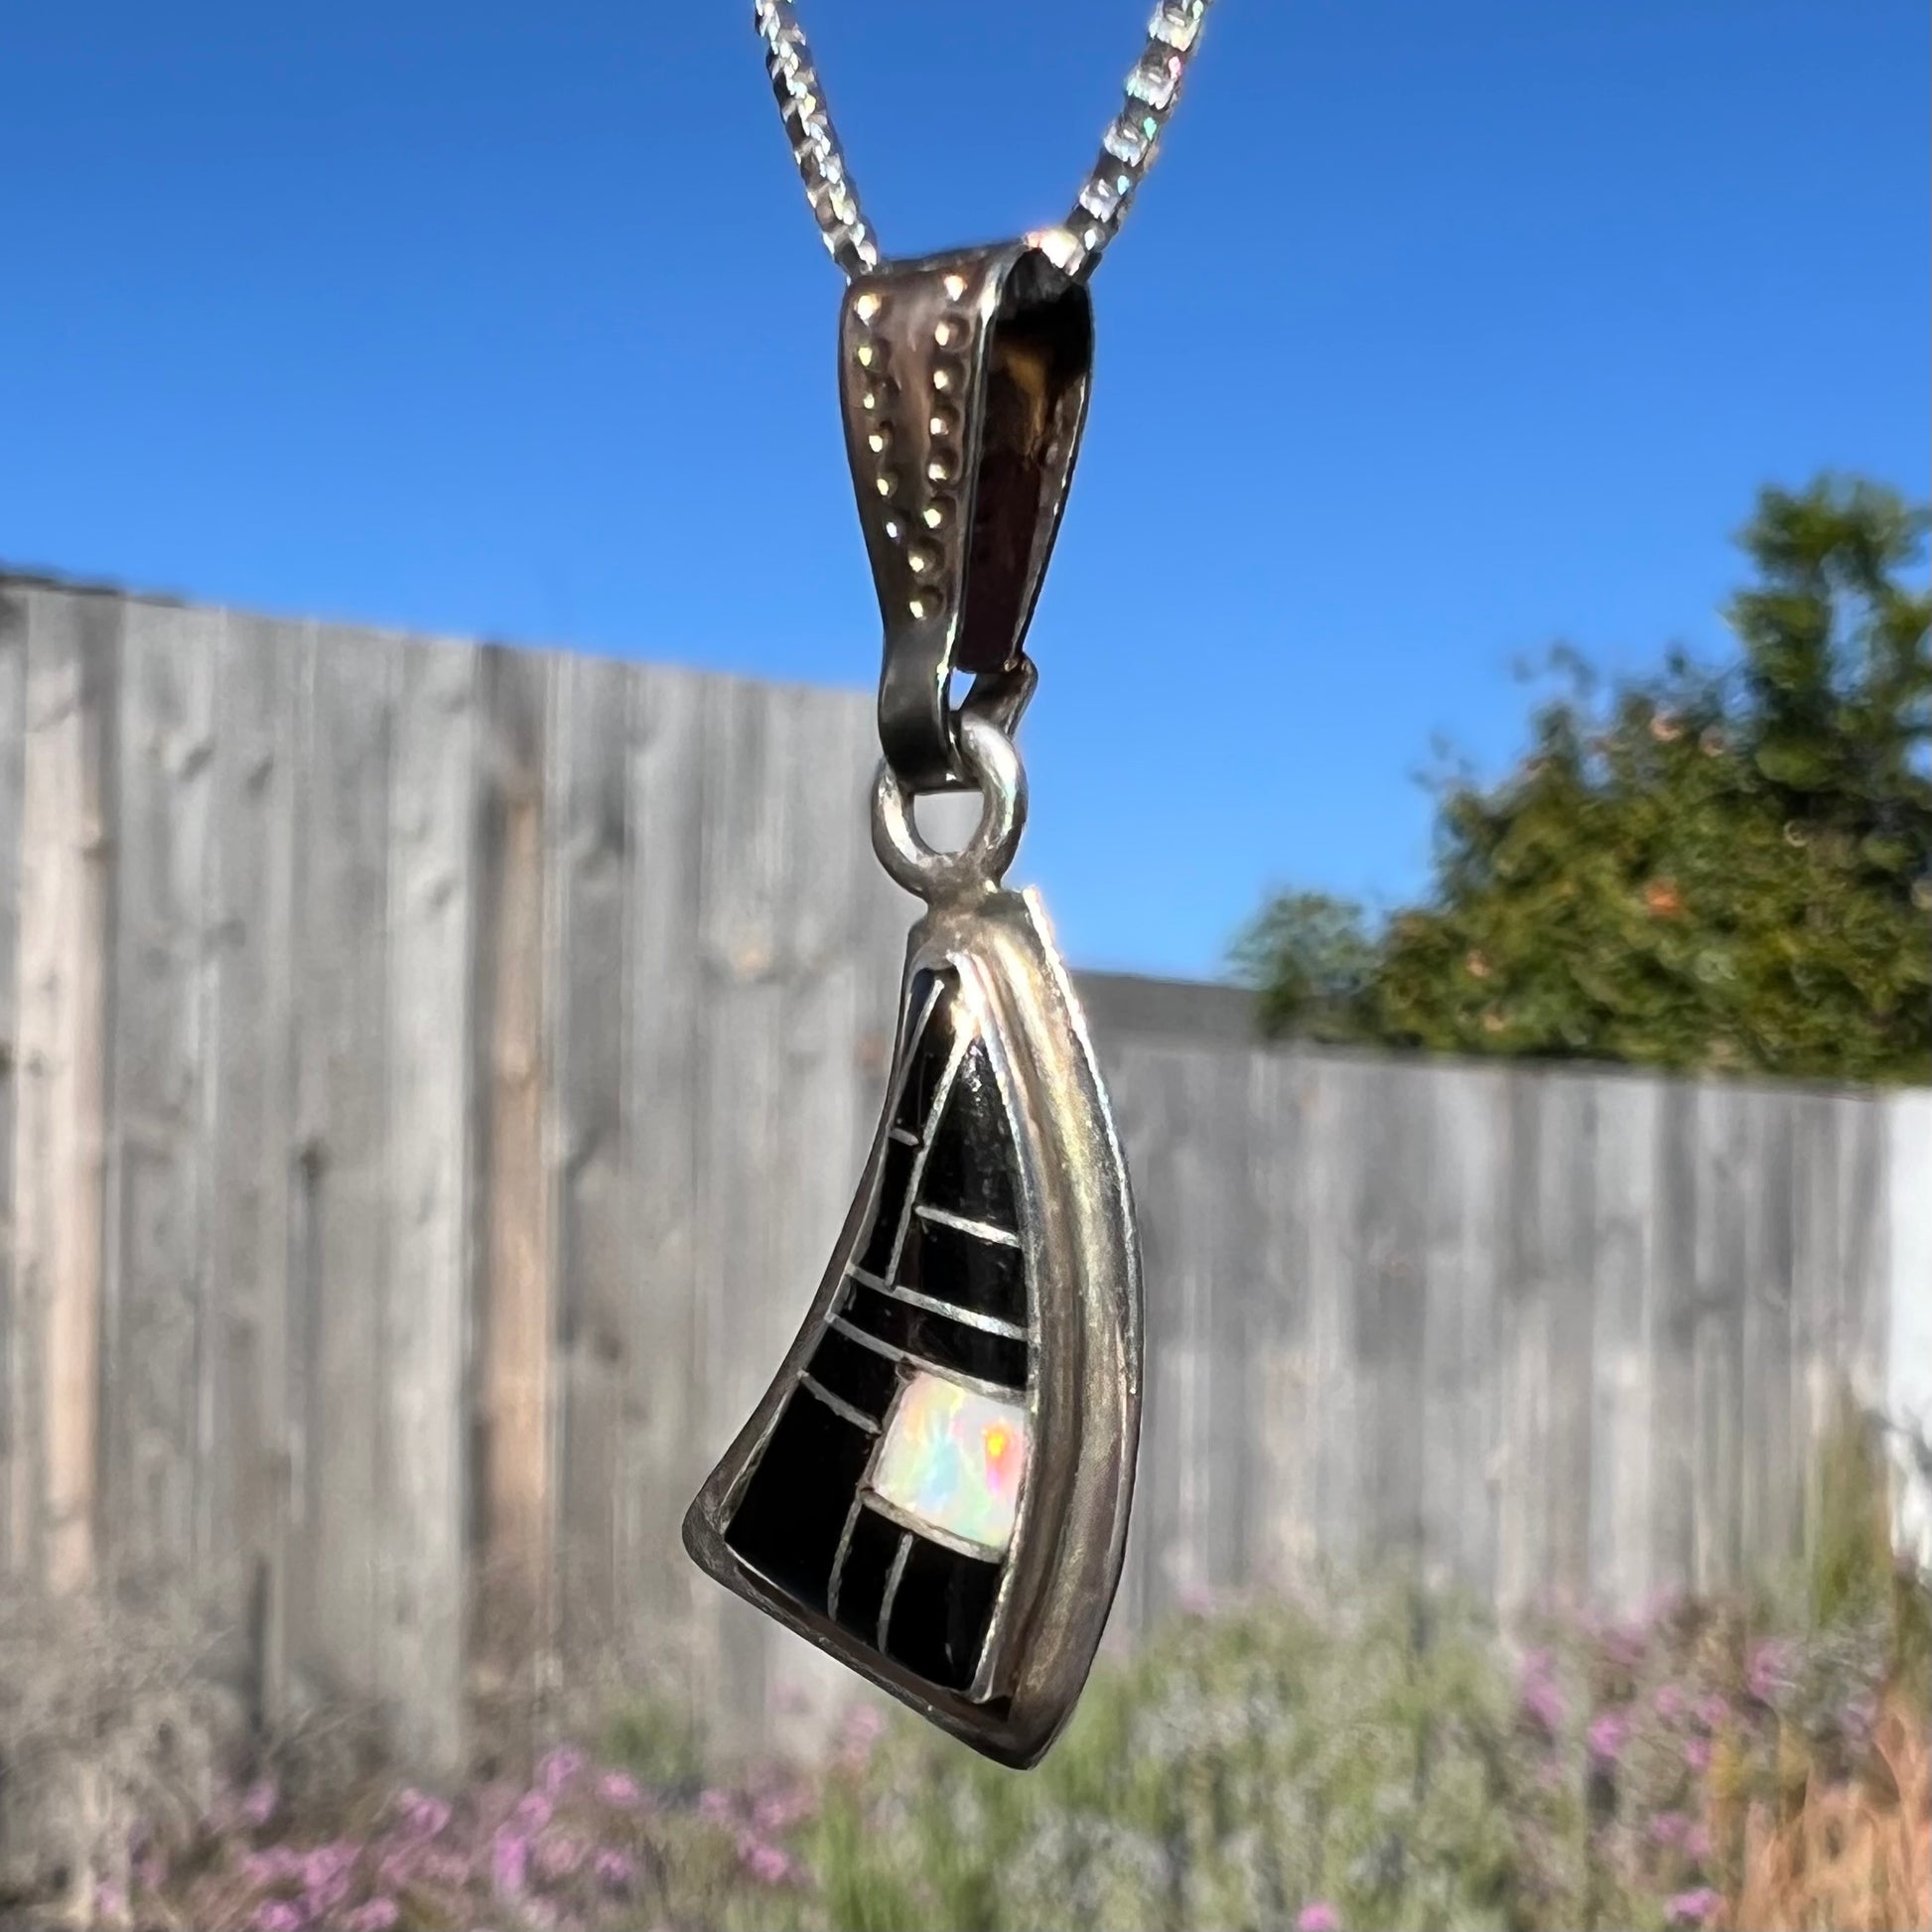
1852,1857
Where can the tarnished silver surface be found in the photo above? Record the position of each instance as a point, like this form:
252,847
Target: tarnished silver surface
1083,1394
1127,149
964,378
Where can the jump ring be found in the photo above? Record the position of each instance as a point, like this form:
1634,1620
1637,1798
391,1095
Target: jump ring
994,768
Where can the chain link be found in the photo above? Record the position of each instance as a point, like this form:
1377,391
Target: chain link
1127,149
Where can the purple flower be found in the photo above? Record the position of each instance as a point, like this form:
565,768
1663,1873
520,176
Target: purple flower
1318,1917
273,1867
558,1856
1610,1732
1543,1702
258,1802
1624,1646
280,1915
621,1789
863,1724
446,1868
378,1915
1668,1827
1712,1711
1696,1845
716,1805
781,1810
1697,1907
1769,1670
1697,1755
110,1902
766,1863
533,1811
1669,1703
510,1864
422,1815
559,1771
615,1870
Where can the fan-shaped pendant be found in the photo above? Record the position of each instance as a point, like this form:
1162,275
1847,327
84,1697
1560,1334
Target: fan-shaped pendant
935,1487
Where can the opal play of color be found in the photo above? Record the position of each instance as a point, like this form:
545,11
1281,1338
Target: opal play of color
954,1458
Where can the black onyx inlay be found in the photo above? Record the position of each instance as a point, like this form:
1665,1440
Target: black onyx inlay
790,1520
894,1174
855,1373
862,1580
969,1168
940,1613
938,1340
950,1265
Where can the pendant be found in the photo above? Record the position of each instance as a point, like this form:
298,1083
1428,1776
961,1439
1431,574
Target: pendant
935,1486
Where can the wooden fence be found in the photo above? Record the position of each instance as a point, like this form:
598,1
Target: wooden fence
436,1076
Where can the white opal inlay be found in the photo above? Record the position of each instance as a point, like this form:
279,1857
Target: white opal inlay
953,1458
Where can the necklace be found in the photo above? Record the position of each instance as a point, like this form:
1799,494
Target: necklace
935,1486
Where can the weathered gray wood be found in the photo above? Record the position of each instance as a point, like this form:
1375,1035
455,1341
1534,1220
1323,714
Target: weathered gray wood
156,1341
1281,1540
1622,1424
743,1309
1772,1473
667,1442
1390,1314
513,974
486,1045
1722,1156
250,909
1670,1298
595,1265
1462,1466
1565,1213
61,1121
420,1527
13,755
345,1200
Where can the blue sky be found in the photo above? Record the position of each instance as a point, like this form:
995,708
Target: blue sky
1440,334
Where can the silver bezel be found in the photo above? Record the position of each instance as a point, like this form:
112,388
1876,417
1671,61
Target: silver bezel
1083,1396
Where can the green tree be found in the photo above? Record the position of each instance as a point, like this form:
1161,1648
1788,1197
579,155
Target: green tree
1700,869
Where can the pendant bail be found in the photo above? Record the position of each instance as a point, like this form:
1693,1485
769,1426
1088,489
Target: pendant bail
964,378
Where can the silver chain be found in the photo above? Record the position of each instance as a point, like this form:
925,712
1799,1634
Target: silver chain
1127,149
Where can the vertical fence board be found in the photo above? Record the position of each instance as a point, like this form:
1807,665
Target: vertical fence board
1623,1198
251,1128
512,1072
345,1200
666,1443
1672,1329
1391,1304
594,1249
741,1312
420,1493
1565,1215
13,753
59,1137
1772,1472
1460,1478
157,1341
1281,1444
1723,1154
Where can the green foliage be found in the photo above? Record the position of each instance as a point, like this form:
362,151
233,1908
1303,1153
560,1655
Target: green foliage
1710,870
1237,1773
